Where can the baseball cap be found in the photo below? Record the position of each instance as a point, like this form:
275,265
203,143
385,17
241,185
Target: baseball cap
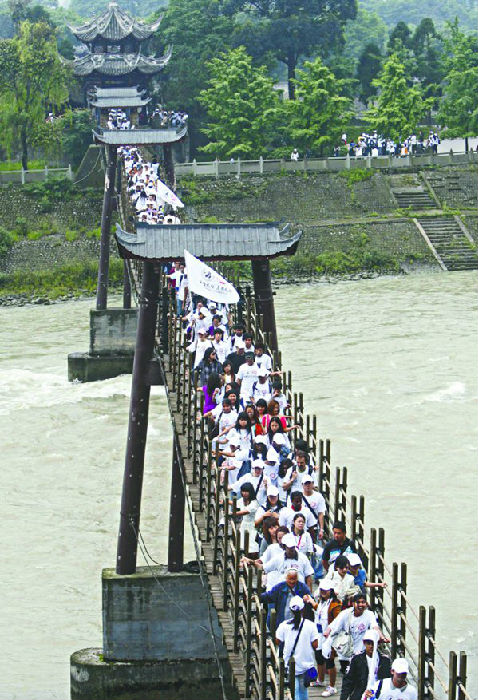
354,559
261,439
239,344
249,355
257,464
262,372
370,636
288,540
296,603
326,584
400,665
272,455
279,439
272,490
308,479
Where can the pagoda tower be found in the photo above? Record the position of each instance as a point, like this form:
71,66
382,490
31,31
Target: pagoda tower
114,55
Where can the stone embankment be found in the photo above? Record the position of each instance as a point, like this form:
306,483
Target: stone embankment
355,224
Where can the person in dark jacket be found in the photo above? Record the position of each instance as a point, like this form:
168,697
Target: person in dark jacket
281,594
358,677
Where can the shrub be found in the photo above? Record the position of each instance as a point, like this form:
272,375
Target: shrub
7,239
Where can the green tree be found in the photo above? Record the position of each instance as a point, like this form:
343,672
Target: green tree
318,117
400,35
399,107
459,108
198,31
242,107
368,69
76,135
366,28
32,81
428,49
290,29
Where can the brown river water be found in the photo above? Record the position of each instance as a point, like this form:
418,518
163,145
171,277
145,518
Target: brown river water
388,365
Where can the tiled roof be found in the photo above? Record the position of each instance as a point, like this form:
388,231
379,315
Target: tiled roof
119,64
114,24
206,241
133,137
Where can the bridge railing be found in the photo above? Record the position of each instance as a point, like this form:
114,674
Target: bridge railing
412,633
262,166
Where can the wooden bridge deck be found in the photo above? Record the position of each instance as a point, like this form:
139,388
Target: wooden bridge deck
236,659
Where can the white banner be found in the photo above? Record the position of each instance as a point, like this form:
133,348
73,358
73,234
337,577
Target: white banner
167,195
205,281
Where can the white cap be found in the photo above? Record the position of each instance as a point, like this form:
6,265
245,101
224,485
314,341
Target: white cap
262,372
400,665
272,490
308,479
370,636
354,559
279,438
296,603
202,330
239,343
326,585
288,540
272,456
261,439
257,464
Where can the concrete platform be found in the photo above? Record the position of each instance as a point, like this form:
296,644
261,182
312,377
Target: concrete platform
112,344
93,678
83,367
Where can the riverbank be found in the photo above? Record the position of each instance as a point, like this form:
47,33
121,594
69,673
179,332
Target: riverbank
352,227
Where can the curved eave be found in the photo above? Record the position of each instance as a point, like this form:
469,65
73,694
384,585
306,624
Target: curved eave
119,64
104,103
115,26
167,242
137,137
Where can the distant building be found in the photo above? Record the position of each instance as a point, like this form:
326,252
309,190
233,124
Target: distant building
114,54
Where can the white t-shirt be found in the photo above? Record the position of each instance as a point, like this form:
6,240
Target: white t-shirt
390,692
221,350
248,374
264,361
316,503
304,543
357,626
304,652
297,484
286,517
281,564
226,419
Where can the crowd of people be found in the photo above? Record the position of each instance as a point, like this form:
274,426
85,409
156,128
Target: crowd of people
152,200
375,144
118,119
316,584
165,119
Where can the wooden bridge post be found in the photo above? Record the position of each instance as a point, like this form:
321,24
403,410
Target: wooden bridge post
263,654
126,287
281,679
261,273
249,630
176,514
104,262
462,676
138,424
237,585
421,653
430,651
452,676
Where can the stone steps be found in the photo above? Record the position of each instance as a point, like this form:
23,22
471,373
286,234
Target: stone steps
417,199
450,243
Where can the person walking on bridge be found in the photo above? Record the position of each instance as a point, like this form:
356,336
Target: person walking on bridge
300,639
282,593
395,688
365,669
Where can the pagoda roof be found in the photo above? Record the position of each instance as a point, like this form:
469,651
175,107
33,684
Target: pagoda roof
114,24
119,64
206,241
117,97
139,136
